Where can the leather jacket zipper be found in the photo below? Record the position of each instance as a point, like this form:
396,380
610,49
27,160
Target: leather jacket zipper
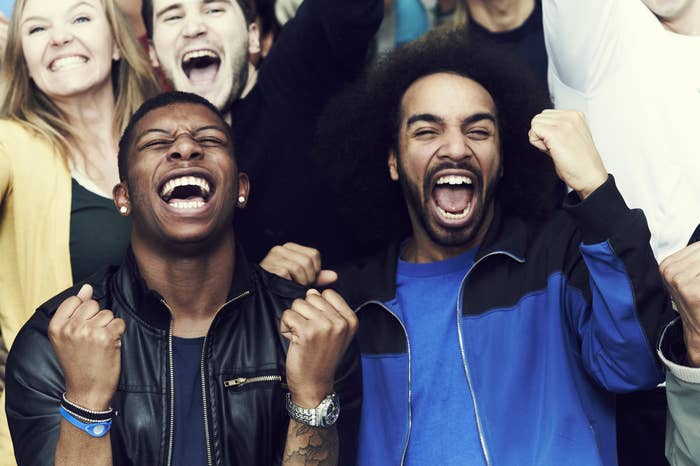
241,381
204,381
172,389
479,426
408,348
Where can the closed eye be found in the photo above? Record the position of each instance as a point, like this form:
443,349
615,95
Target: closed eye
35,29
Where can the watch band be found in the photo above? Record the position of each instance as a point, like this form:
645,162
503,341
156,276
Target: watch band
94,429
323,415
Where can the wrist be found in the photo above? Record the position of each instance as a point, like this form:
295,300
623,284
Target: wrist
692,343
88,400
591,186
310,397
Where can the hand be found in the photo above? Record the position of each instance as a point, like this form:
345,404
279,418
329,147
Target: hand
319,329
87,342
565,137
681,273
298,263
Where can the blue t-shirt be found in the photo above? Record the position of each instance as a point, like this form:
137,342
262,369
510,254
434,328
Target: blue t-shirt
189,448
444,428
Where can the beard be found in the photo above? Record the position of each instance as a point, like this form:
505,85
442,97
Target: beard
420,205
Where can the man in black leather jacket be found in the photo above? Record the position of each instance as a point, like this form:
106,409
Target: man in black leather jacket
105,373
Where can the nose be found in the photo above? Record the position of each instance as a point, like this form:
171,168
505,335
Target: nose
455,145
185,148
194,25
60,35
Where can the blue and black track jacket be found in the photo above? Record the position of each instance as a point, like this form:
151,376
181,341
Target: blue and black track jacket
553,318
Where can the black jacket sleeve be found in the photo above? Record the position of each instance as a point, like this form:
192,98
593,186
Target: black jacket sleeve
34,388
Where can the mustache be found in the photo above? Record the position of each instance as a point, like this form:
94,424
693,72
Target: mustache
451,165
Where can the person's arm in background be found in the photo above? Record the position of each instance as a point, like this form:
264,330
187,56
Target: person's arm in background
581,39
132,10
679,349
323,47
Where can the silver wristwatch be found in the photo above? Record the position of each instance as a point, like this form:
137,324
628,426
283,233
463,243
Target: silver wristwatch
323,415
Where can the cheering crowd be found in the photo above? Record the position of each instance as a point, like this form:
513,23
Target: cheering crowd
357,232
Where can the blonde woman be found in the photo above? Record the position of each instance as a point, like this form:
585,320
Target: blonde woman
71,77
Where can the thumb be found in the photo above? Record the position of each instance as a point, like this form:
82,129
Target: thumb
326,277
85,292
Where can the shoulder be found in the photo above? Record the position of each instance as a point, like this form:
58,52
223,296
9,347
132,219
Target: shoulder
370,278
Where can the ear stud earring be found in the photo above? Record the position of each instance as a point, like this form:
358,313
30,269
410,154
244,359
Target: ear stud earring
123,210
241,199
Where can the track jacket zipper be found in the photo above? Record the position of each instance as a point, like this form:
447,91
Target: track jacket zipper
408,348
204,383
479,426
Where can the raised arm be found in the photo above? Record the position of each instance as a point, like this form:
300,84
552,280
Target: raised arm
320,329
81,347
582,38
324,46
681,354
616,301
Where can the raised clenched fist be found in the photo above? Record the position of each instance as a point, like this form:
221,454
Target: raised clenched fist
87,341
565,137
319,329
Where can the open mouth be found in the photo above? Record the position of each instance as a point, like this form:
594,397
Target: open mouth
201,66
186,192
66,63
453,196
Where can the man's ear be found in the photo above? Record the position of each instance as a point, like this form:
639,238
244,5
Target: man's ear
253,38
152,55
392,163
120,196
243,190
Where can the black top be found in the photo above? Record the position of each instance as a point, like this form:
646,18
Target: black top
321,49
525,41
99,236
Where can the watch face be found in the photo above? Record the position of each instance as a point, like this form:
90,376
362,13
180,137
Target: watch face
331,412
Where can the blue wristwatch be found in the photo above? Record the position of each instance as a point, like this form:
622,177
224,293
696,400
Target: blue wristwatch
94,429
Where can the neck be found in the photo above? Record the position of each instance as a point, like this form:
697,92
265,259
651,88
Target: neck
421,248
195,285
92,117
687,22
251,81
500,15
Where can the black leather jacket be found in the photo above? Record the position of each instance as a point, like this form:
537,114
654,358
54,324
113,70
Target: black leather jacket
242,372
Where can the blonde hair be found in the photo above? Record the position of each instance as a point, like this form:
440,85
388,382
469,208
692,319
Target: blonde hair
133,81
461,18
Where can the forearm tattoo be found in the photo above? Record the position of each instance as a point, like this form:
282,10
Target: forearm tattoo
312,446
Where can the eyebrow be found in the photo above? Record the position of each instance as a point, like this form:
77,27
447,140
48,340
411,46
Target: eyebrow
431,118
79,4
168,133
175,6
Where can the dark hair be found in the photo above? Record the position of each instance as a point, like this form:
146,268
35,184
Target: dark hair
360,127
147,14
162,100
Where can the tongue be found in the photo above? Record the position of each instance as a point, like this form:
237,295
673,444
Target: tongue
186,199
452,200
204,75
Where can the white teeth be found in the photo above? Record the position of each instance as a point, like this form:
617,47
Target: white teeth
198,54
186,204
168,187
454,180
458,216
67,62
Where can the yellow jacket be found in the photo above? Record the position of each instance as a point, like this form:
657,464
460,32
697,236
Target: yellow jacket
35,201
